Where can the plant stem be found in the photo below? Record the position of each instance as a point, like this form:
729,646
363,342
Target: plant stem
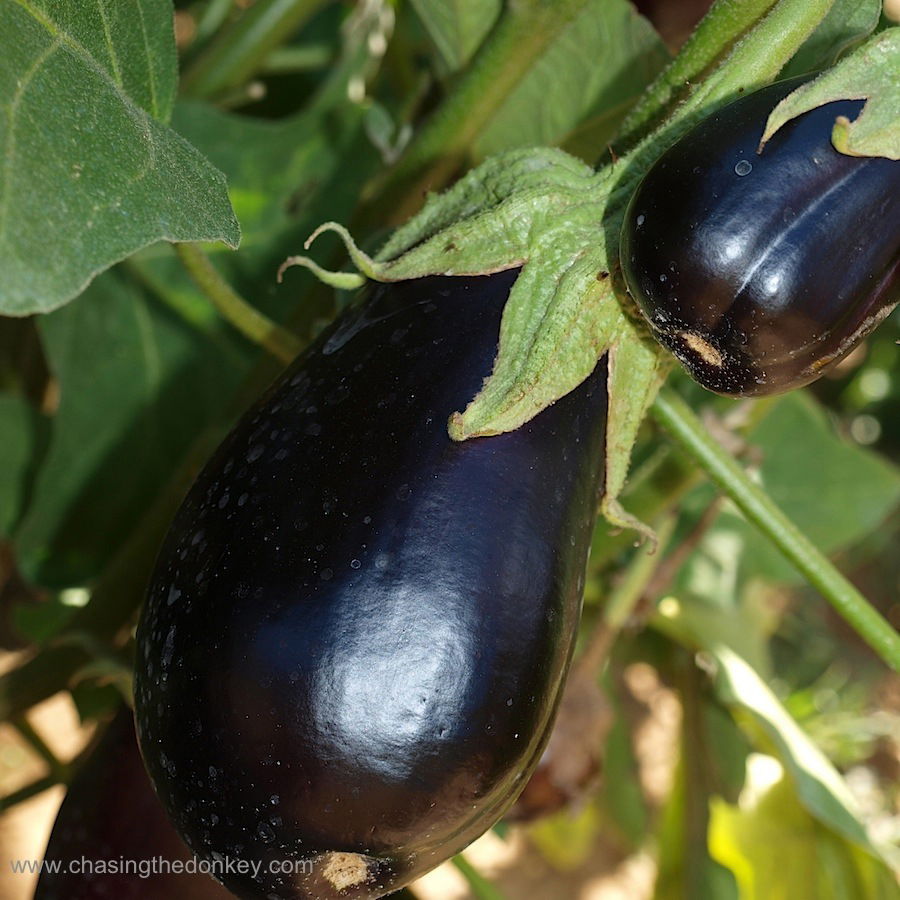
481,888
240,49
720,28
249,321
298,59
523,32
212,18
58,769
638,576
679,420
623,601
27,792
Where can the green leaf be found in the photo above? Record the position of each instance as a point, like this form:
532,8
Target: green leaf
847,23
457,27
552,329
40,622
23,436
869,73
819,786
846,495
568,83
777,851
136,385
133,43
275,169
637,369
89,175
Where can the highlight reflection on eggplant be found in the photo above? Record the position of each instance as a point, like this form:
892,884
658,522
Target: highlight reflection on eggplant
358,630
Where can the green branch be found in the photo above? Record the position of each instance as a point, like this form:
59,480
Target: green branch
240,49
520,37
717,32
481,887
688,431
27,792
249,321
58,769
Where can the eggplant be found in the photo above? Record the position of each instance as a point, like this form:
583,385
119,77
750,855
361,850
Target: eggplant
760,270
111,820
358,630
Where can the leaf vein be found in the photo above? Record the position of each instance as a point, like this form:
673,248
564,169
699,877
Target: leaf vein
151,74
107,37
9,151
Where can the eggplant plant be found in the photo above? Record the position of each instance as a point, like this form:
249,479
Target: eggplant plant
359,511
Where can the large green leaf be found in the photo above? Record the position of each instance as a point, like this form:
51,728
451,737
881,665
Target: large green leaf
848,22
778,851
90,174
601,62
136,384
133,42
21,437
457,27
837,492
818,784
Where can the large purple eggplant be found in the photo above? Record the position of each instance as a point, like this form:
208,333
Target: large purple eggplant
358,630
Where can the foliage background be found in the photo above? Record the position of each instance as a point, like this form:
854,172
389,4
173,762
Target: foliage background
694,778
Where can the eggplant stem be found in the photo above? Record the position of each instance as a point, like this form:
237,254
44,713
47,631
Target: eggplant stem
671,411
248,320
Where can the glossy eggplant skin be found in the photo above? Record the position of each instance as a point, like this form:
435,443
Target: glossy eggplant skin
760,270
358,630
110,814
